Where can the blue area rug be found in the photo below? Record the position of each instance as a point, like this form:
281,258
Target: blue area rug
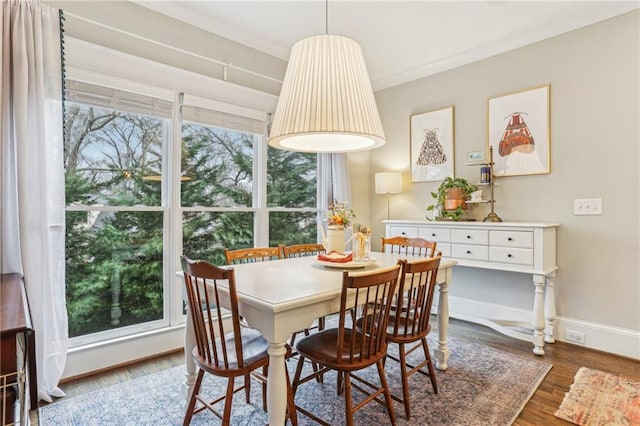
482,386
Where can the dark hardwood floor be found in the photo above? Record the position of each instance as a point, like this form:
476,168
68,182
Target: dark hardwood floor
565,358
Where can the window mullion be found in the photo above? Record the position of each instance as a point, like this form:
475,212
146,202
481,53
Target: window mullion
173,221
261,230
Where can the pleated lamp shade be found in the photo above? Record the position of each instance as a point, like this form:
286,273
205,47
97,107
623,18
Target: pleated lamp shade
326,103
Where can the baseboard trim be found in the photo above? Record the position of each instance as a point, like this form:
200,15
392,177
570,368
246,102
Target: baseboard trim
516,323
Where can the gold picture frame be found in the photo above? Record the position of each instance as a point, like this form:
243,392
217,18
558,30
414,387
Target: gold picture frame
519,130
432,139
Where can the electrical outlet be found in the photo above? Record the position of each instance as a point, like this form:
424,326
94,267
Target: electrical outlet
574,336
587,206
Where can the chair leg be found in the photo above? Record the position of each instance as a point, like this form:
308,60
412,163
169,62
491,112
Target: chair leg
291,406
296,377
348,401
387,392
432,371
192,400
247,387
228,402
405,381
265,370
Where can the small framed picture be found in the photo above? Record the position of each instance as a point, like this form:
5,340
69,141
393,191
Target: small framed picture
476,157
431,147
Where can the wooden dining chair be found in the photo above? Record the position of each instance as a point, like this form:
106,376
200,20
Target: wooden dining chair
253,254
411,324
409,246
301,250
346,349
237,352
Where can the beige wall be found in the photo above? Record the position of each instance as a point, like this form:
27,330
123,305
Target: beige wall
594,77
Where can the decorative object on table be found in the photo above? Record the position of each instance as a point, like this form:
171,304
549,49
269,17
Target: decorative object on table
388,183
362,243
326,103
335,257
599,398
492,216
432,145
485,174
339,219
519,129
476,196
450,199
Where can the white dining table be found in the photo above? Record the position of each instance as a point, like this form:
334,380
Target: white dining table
281,297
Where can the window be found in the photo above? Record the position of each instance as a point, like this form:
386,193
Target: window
292,196
114,220
142,188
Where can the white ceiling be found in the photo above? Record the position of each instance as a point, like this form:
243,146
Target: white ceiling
401,40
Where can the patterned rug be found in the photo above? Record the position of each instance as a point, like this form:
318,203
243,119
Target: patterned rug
599,398
482,386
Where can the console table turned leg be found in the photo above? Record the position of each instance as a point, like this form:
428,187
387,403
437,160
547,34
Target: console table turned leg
538,315
441,352
550,309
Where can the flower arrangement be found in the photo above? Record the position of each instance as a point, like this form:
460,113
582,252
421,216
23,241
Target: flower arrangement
339,214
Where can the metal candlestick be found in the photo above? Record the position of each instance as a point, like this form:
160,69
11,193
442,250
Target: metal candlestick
491,217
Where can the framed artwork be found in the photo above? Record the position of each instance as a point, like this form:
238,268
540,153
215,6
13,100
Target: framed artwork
476,157
519,132
431,147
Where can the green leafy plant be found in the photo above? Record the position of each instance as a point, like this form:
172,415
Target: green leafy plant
441,195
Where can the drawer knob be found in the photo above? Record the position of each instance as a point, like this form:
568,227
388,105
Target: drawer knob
433,235
509,255
468,251
468,236
509,239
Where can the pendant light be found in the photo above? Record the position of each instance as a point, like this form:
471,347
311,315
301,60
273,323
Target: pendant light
326,103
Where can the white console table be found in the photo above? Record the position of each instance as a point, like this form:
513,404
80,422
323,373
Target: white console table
528,248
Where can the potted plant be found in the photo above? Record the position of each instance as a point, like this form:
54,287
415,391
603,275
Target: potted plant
450,199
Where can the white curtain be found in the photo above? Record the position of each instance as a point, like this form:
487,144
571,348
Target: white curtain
32,187
335,184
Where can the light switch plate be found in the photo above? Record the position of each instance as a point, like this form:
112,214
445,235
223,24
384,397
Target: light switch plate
587,206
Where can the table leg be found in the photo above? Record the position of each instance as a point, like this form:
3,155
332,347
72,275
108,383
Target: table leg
538,315
441,353
189,365
276,384
550,309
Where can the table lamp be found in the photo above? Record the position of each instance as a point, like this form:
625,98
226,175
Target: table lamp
388,183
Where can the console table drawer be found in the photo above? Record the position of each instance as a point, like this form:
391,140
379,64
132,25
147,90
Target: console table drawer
470,252
445,248
470,236
518,256
405,231
522,239
435,234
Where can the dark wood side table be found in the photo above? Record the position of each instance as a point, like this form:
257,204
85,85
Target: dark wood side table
16,331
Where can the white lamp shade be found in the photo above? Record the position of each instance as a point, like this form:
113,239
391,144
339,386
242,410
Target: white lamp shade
388,183
326,103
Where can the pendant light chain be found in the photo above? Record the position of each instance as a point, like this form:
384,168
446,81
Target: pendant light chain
326,17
